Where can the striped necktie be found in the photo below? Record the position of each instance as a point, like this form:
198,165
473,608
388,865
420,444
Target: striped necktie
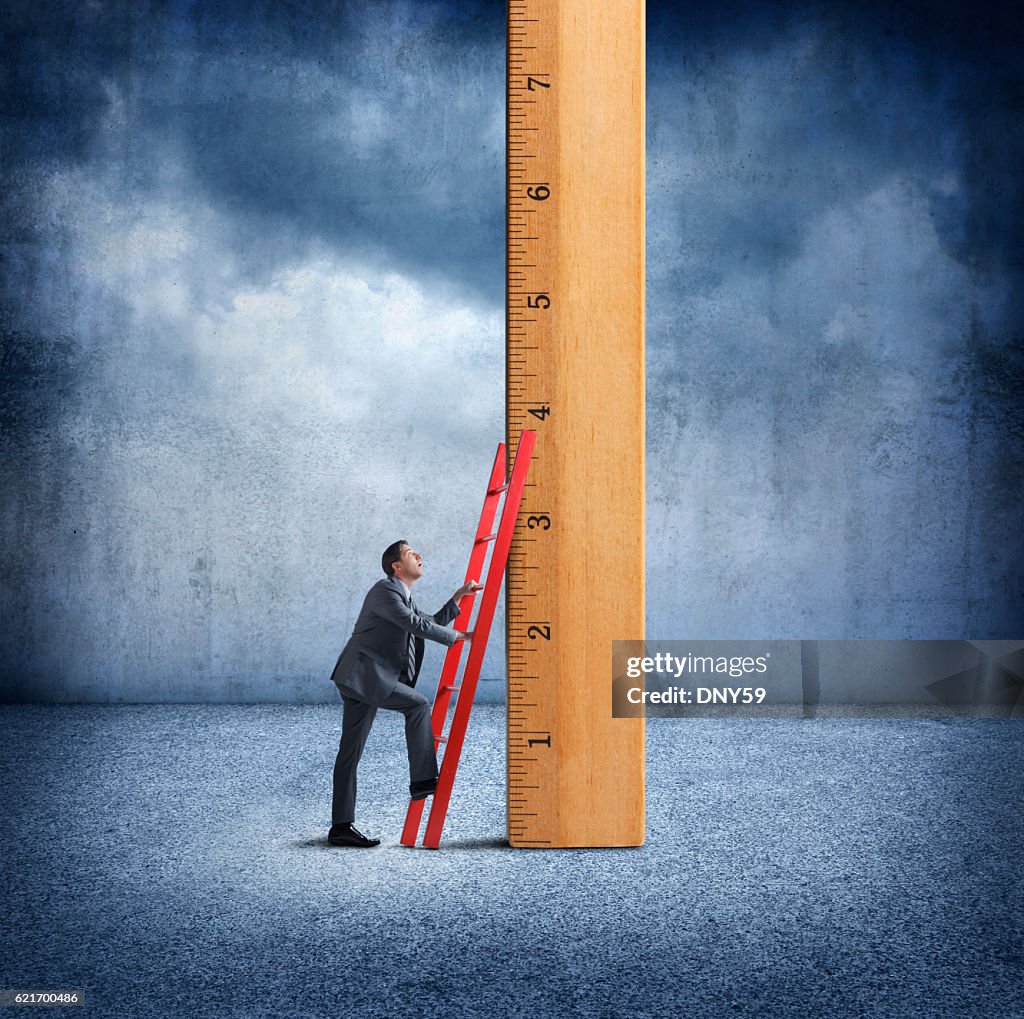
410,649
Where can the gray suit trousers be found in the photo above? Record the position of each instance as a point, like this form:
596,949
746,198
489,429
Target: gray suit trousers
355,728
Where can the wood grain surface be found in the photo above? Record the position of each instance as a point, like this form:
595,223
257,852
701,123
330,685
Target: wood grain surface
575,372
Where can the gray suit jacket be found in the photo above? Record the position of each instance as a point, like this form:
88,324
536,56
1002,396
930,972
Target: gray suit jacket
370,664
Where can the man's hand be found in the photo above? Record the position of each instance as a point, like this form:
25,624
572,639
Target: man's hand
471,588
464,634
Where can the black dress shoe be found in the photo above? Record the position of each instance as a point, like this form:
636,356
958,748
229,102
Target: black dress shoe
348,835
421,790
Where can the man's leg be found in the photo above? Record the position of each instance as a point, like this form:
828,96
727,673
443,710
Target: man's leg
355,727
419,736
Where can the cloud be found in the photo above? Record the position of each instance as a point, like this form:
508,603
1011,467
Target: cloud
375,129
231,454
343,336
253,331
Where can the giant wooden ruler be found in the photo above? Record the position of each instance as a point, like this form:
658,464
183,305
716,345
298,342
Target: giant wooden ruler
575,373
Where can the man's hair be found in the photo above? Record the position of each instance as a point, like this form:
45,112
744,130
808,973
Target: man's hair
391,556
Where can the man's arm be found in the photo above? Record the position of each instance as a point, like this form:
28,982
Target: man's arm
450,610
470,587
390,605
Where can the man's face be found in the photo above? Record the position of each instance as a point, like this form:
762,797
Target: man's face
410,564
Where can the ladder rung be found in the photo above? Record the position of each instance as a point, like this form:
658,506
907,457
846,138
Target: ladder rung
440,739
498,490
454,686
490,537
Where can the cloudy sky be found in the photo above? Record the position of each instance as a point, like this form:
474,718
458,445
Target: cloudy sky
253,326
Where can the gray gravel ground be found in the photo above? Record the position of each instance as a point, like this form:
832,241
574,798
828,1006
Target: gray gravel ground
171,861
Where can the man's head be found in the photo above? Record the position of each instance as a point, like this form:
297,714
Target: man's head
399,560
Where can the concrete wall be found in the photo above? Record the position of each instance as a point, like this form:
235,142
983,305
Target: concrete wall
252,330
836,422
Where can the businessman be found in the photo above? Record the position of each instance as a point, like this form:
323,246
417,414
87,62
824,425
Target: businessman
378,668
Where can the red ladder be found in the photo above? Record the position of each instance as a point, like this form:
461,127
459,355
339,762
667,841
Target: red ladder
502,538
